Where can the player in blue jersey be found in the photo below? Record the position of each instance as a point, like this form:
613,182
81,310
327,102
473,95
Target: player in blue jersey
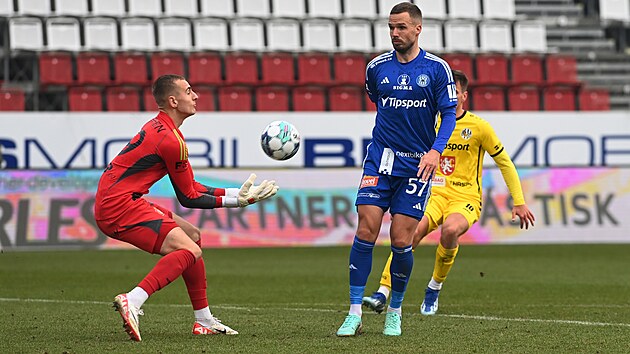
409,87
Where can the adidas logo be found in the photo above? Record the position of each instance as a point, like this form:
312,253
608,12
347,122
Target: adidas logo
352,267
418,206
385,80
399,275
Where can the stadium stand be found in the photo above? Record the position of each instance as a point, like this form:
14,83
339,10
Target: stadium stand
519,54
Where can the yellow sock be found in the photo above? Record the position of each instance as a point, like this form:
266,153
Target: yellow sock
444,259
386,277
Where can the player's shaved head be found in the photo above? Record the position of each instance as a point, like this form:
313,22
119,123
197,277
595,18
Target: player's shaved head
165,86
413,11
461,78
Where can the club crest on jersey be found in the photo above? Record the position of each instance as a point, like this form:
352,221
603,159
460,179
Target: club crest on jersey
447,165
403,83
466,134
369,181
423,80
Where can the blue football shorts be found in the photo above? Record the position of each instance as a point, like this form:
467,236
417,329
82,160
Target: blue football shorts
399,195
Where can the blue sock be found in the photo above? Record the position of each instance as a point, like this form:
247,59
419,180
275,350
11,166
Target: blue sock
402,264
360,267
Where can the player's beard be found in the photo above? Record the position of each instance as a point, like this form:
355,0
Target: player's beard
402,48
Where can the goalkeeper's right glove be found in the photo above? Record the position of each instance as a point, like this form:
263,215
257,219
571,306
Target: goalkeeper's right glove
250,194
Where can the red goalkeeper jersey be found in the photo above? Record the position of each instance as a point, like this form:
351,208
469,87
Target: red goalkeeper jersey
157,150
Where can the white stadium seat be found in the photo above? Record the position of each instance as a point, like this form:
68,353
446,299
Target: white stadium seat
382,41
149,8
359,8
618,10
137,34
34,7
100,33
289,8
26,33
460,36
432,8
499,9
252,8
174,34
355,35
218,8
211,34
247,34
63,33
319,34
6,8
283,34
324,8
108,8
530,36
71,7
495,36
182,8
470,9
431,38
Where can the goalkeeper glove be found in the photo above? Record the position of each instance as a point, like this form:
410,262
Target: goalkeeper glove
250,194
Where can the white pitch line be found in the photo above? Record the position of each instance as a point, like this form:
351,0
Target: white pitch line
310,309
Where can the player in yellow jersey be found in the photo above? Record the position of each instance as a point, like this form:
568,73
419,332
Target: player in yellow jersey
455,201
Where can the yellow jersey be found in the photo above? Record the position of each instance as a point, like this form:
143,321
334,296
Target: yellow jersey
461,164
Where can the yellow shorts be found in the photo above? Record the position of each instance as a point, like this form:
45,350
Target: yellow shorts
439,208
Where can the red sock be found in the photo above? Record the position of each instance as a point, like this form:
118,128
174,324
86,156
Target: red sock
196,284
167,269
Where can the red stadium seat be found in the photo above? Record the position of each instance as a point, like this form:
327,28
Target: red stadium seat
85,99
241,68
491,69
131,68
235,98
488,98
559,98
166,63
461,62
11,100
205,68
149,102
561,69
125,99
314,68
207,99
309,98
349,68
527,69
55,68
278,68
524,98
93,68
592,99
345,98
272,99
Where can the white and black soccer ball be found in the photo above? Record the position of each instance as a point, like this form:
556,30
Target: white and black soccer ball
280,140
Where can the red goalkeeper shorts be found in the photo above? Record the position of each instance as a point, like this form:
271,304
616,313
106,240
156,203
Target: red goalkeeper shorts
144,225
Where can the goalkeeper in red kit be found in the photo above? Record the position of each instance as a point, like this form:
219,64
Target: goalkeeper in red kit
121,212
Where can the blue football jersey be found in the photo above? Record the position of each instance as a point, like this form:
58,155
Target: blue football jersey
408,97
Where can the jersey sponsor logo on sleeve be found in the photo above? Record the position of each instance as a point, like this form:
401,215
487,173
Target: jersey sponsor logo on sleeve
423,80
447,165
369,181
181,165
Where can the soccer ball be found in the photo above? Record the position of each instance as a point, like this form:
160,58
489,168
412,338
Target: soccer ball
280,140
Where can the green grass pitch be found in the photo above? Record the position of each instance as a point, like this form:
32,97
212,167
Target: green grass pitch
497,299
